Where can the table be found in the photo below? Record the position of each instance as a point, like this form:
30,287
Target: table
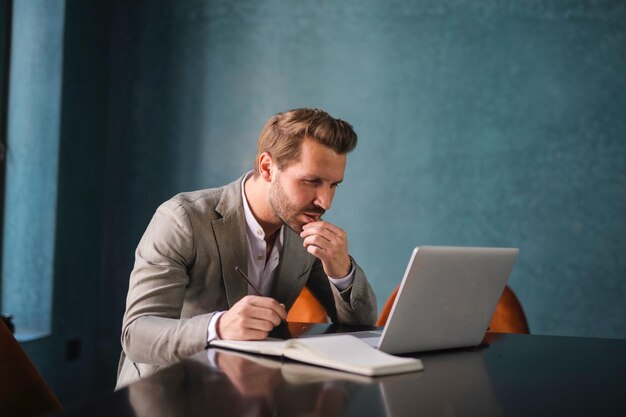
508,375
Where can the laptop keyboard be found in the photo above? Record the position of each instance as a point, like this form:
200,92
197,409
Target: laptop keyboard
371,337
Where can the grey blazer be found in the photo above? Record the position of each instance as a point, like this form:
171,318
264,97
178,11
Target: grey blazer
185,271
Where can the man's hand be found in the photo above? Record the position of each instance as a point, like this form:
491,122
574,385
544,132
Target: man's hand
329,243
250,378
251,318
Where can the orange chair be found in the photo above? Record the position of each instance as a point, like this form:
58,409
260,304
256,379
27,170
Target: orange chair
384,314
306,309
23,392
509,316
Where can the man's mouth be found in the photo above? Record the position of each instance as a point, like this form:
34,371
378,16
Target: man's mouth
312,216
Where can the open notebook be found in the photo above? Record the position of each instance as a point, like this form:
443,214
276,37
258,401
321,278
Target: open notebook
342,352
293,372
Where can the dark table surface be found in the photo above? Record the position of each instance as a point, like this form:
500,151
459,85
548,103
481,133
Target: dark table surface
508,375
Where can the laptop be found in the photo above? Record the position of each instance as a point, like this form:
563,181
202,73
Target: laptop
446,299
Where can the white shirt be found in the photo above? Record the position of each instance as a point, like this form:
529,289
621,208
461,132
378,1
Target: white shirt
261,271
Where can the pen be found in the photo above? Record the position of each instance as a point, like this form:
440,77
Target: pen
243,275
248,280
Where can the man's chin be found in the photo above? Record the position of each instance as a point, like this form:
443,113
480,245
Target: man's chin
295,226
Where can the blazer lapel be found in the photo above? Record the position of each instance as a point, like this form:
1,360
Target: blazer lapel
230,235
291,274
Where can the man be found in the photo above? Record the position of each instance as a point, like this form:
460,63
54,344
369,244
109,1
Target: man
184,289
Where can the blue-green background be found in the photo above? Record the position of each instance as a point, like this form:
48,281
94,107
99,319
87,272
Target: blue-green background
480,123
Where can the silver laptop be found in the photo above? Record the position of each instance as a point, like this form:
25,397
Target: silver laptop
446,299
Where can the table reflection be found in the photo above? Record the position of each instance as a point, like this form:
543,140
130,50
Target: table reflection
509,375
228,383
225,383
451,384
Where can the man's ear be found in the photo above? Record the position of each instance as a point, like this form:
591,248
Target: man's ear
265,166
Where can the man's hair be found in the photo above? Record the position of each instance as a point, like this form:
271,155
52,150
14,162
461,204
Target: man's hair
283,134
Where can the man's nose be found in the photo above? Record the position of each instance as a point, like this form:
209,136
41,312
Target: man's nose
324,198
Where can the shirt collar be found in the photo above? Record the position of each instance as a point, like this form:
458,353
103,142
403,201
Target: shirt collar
252,225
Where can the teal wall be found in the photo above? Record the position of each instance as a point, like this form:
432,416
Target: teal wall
480,123
31,172
54,193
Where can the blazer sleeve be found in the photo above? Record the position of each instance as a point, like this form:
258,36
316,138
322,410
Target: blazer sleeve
152,330
355,305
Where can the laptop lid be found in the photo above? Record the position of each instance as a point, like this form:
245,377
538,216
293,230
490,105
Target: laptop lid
446,298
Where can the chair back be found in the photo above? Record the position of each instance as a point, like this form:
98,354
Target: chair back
306,309
508,317
23,391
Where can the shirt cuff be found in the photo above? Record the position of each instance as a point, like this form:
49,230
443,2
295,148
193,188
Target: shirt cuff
345,282
210,354
212,330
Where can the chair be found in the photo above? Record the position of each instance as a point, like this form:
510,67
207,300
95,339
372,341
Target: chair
306,309
384,314
508,317
23,391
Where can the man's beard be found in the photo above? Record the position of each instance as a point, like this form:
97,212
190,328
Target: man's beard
284,210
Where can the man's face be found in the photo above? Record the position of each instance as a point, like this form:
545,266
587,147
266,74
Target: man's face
303,191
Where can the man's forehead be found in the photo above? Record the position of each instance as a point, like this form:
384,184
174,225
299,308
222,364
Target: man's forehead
309,169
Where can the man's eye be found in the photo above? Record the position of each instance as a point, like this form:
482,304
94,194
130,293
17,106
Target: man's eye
334,185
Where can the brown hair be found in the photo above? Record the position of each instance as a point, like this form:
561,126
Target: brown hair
283,134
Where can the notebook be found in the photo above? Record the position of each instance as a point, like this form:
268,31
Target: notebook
343,352
446,299
294,373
